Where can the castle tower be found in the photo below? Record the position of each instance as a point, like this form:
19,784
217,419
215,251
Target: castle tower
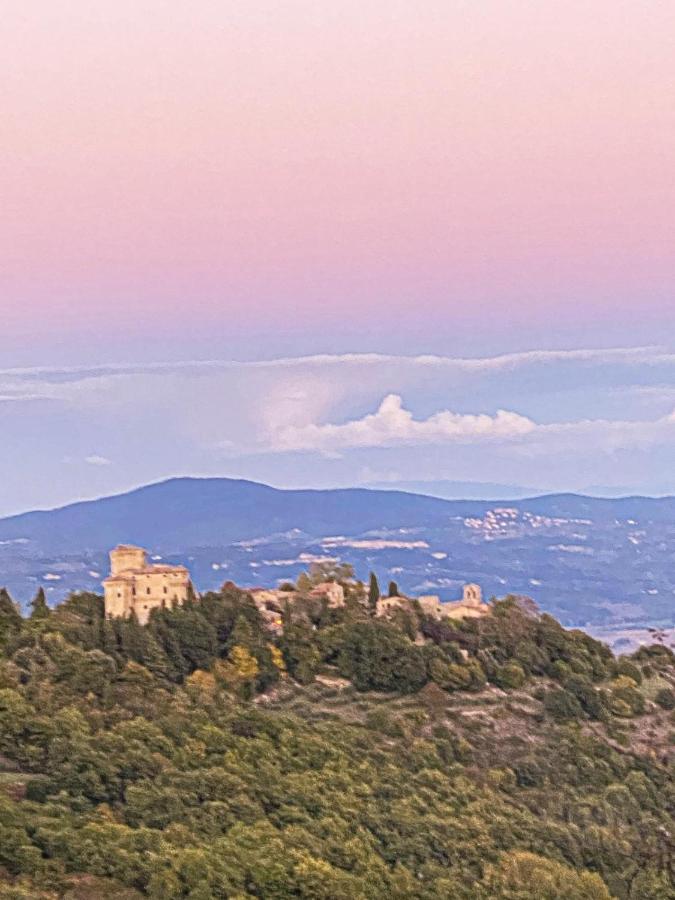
136,586
125,557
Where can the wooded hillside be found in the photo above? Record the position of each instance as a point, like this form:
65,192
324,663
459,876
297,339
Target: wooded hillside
347,757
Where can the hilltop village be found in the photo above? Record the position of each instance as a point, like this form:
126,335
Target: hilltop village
138,586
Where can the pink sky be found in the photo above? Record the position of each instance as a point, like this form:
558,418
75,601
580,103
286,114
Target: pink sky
256,165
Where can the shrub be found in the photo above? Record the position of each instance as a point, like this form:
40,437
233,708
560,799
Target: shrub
510,676
381,721
449,676
626,667
523,875
665,698
591,700
625,693
562,706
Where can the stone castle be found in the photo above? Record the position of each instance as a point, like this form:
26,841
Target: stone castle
134,585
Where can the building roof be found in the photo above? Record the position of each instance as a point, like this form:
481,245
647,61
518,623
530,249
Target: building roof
112,578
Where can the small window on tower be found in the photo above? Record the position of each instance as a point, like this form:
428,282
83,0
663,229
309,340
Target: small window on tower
147,590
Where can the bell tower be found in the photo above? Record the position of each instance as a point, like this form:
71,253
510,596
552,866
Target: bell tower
472,595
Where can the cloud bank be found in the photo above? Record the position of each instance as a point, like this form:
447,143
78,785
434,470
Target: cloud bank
550,419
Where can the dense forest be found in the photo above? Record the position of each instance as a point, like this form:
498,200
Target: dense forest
344,756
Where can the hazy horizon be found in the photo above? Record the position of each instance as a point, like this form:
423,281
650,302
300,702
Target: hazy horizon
445,490
550,421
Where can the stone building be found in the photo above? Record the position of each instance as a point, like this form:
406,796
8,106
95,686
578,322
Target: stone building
271,602
134,585
387,605
330,591
471,605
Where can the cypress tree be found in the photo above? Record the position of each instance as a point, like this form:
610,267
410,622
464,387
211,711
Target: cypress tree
286,616
373,591
393,589
10,618
9,613
132,639
165,636
108,638
39,607
242,634
191,598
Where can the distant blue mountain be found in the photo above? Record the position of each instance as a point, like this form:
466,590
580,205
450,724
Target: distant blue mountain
205,512
211,511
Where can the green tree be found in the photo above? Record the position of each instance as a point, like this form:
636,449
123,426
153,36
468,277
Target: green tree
376,656
373,590
625,699
300,652
239,671
393,589
331,571
39,607
10,618
195,636
242,634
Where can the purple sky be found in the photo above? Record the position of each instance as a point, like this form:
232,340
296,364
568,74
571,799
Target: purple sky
256,181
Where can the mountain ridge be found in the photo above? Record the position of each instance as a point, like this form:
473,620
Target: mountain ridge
362,489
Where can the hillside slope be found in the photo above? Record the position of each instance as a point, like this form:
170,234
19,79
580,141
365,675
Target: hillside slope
204,756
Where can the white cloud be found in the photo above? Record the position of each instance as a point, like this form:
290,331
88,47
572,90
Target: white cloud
68,374
598,442
393,425
96,460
